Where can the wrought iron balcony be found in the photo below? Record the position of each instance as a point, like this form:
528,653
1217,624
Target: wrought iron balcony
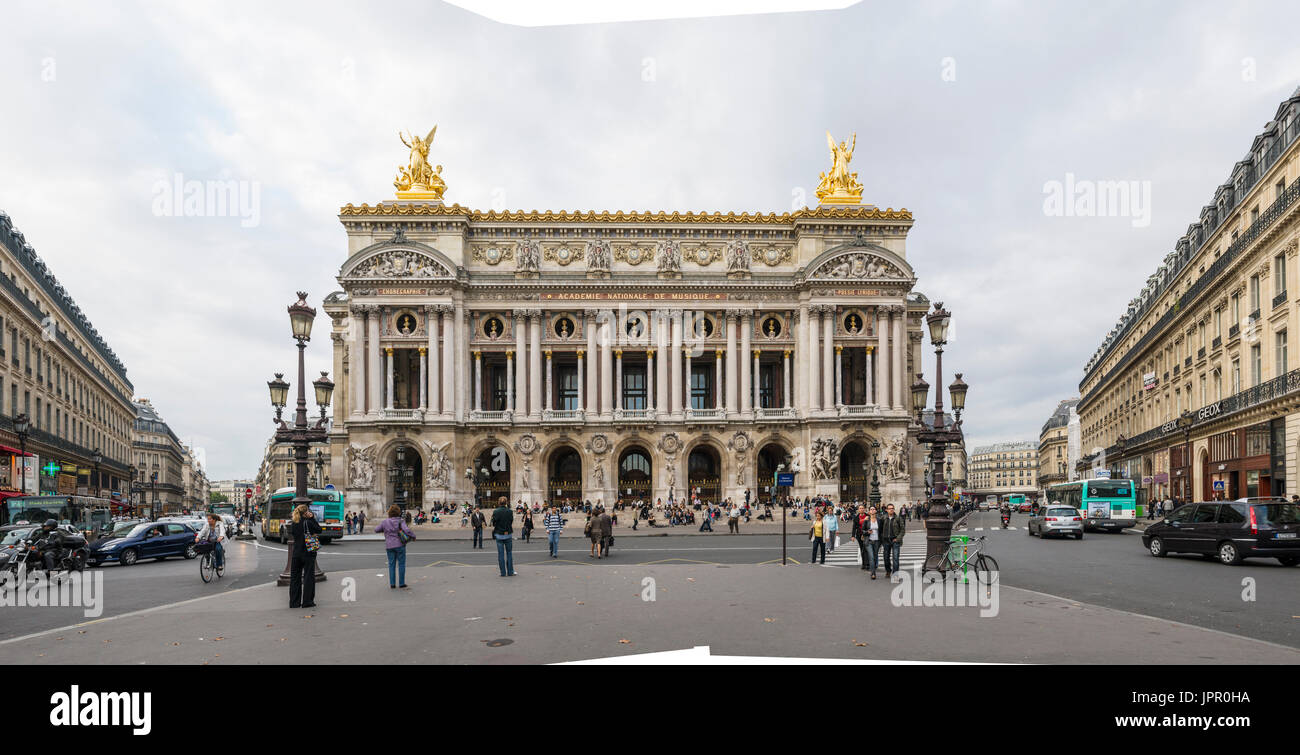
1280,299
1200,353
1216,343
1233,332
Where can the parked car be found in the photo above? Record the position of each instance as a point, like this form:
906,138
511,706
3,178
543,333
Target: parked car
1055,519
149,540
1230,531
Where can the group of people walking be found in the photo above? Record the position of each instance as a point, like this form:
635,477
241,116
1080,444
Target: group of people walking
879,535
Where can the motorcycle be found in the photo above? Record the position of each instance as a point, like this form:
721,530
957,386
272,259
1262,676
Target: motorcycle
30,556
1006,520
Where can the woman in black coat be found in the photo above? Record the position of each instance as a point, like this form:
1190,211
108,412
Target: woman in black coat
302,567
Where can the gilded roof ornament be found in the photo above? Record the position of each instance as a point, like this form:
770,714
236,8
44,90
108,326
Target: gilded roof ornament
417,180
840,186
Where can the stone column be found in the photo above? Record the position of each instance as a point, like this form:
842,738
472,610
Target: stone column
901,384
733,377
607,367
618,379
746,376
593,390
675,321
869,398
548,399
810,350
478,380
357,363
462,360
883,392
434,378
686,390
388,371
717,378
521,363
839,376
448,362
510,382
663,403
785,356
828,366
758,383
374,380
424,378
650,379
582,366
534,363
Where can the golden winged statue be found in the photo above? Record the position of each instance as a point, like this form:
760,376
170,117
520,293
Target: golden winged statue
417,180
840,186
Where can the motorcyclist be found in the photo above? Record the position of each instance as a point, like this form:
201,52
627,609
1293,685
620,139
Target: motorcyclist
51,542
1005,510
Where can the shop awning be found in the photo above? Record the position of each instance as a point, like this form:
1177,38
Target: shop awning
14,451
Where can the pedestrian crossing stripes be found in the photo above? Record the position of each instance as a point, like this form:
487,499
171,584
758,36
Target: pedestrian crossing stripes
847,554
981,529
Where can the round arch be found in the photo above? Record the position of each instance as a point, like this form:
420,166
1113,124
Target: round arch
489,467
704,473
403,473
564,475
855,471
635,474
768,460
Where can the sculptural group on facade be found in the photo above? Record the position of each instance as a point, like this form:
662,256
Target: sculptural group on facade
598,256
529,256
859,265
737,256
825,459
670,256
361,467
439,465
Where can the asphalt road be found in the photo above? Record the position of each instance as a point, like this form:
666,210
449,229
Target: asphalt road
1110,570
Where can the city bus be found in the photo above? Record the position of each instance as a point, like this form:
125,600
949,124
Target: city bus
327,505
88,514
223,509
1108,505
1016,501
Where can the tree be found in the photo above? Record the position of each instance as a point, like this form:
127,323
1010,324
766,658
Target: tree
215,497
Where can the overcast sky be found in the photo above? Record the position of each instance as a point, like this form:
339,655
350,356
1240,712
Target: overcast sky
963,111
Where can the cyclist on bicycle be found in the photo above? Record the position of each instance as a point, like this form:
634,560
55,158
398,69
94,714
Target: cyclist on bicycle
214,531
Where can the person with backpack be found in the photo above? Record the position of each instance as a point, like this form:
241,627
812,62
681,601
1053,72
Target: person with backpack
554,525
396,535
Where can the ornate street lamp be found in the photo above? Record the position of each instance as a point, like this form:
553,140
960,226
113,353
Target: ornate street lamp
300,435
98,458
22,426
938,523
131,506
874,497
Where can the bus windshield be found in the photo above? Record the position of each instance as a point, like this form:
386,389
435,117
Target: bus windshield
84,513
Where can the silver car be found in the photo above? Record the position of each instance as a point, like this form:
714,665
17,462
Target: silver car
1056,519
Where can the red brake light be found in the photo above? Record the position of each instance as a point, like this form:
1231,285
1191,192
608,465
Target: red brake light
1078,519
1254,523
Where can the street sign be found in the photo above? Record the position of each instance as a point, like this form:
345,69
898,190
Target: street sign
785,479
1218,485
329,486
